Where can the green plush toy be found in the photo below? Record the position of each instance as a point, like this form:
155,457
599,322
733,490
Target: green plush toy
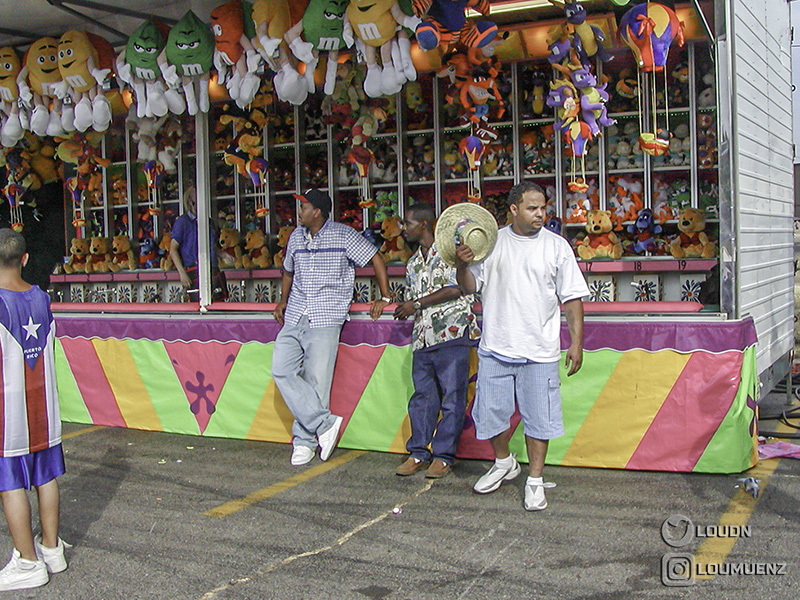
321,28
138,66
190,54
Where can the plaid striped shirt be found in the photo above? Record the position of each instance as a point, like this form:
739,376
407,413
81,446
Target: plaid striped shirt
323,269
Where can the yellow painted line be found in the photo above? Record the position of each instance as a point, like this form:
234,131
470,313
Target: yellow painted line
66,436
715,550
241,503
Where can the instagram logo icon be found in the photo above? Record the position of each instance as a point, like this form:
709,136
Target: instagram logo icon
677,569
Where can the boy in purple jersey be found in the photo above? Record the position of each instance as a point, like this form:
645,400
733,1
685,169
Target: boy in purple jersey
30,423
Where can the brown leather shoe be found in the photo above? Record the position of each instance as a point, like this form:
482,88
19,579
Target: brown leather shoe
438,469
411,466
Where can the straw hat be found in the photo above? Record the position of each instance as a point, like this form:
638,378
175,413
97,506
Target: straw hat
465,223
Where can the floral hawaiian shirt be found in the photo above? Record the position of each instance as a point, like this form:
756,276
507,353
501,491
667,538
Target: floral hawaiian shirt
443,322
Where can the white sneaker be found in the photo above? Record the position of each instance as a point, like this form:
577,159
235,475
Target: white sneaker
327,440
20,573
495,476
302,455
53,557
534,493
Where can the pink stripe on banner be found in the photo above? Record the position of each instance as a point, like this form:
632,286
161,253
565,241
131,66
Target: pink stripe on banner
691,413
355,366
92,382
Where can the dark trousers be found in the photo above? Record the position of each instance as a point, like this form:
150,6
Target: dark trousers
440,376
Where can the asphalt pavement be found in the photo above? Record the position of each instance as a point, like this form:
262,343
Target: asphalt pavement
155,515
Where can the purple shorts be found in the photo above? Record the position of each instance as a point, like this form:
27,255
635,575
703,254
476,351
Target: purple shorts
38,468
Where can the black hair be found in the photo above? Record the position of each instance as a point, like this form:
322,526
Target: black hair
423,212
12,248
516,193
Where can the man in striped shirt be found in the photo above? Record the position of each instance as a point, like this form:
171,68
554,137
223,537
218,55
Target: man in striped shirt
30,423
316,292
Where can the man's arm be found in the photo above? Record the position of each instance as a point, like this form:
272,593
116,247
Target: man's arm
378,305
445,294
286,287
175,255
574,313
465,278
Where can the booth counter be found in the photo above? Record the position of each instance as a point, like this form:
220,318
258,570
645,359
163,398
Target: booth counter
667,393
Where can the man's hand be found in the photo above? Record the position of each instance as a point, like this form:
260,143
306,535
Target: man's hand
185,281
376,310
280,307
574,359
404,310
464,255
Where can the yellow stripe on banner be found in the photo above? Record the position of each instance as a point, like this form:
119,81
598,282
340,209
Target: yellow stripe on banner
273,420
233,506
126,384
715,550
604,439
401,437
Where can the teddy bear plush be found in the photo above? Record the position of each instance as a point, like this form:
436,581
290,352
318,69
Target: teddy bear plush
78,256
230,253
100,257
600,240
122,256
394,247
283,238
257,254
166,263
692,241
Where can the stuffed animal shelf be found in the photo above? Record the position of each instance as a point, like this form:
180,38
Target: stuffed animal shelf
600,240
692,241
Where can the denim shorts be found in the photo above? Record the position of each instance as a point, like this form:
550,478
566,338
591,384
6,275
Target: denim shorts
533,387
38,468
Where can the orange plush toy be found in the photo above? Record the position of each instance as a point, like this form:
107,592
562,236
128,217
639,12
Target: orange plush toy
99,256
78,256
230,254
283,239
692,241
122,254
600,240
257,257
166,261
394,247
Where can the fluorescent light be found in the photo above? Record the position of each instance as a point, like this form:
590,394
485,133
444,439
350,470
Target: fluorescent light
512,6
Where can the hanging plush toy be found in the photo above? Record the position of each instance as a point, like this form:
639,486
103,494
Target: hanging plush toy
585,39
84,61
472,149
475,95
321,29
273,18
234,56
444,23
10,67
138,66
375,24
190,54
38,82
649,30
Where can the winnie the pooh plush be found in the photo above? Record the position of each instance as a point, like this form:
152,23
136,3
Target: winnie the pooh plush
166,260
692,241
122,256
99,255
257,257
78,256
600,240
230,253
283,238
394,247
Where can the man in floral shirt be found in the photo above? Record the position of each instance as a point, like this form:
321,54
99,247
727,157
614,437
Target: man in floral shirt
443,336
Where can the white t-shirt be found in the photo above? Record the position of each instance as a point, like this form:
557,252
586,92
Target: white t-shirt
522,283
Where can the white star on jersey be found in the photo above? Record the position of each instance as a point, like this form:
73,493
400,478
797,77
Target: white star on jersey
31,328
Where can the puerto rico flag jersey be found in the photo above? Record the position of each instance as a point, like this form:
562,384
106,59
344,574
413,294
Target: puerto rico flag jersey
29,417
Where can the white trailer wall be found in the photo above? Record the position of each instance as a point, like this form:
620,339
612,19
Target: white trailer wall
756,171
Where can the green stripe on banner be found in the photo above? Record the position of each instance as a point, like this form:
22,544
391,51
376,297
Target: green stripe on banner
244,390
577,398
732,449
70,401
165,391
391,379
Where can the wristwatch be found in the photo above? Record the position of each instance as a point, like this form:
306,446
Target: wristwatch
417,305
386,299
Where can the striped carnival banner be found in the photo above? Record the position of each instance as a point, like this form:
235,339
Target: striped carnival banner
666,396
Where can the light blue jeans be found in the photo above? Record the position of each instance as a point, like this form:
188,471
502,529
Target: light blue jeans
302,367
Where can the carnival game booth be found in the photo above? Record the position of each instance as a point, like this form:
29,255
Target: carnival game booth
660,136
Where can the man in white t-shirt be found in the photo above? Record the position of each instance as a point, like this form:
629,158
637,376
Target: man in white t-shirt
523,282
